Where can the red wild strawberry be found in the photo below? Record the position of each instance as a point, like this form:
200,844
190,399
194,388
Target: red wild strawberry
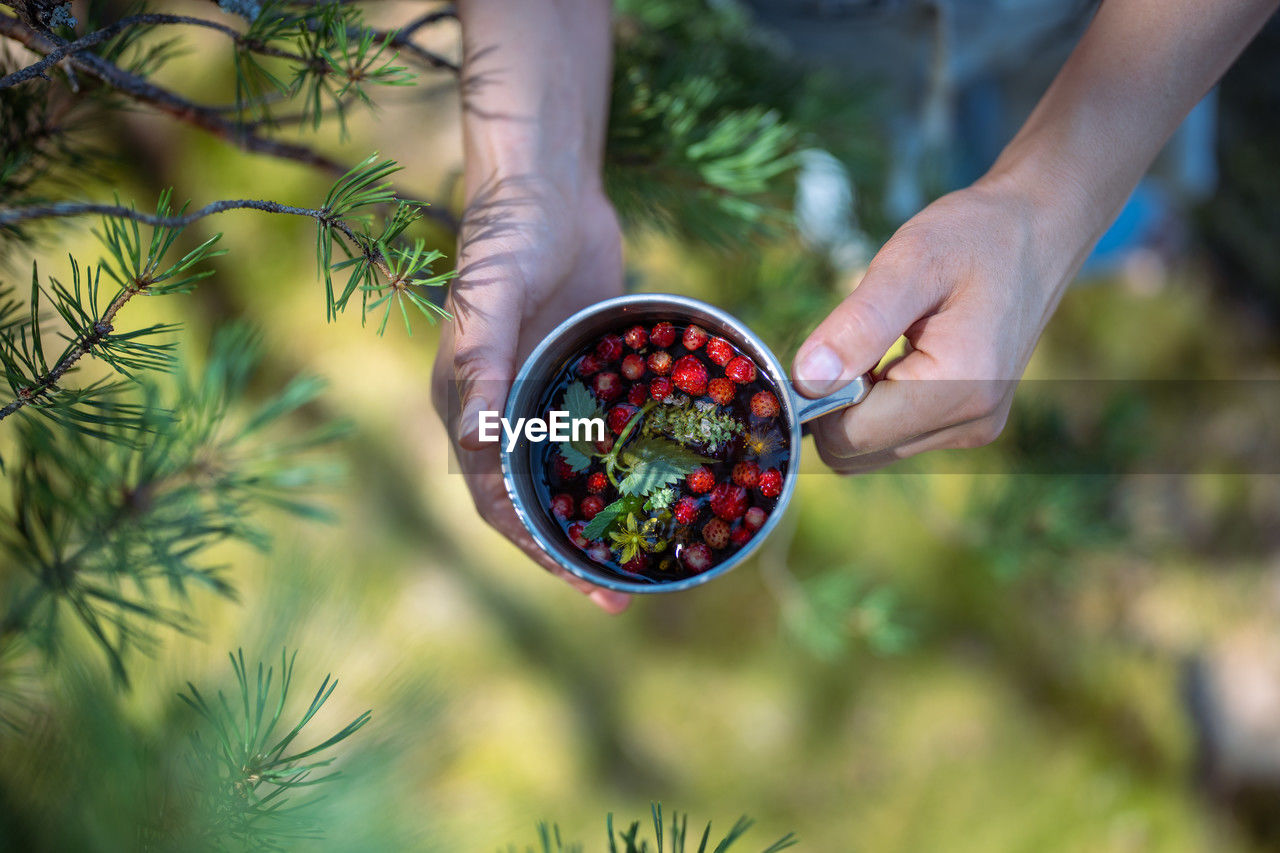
741,370
605,444
608,386
636,337
636,564
770,484
696,557
660,362
755,518
690,376
701,480
746,474
575,534
618,417
764,405
694,337
562,505
599,552
597,483
589,365
563,469
740,536
720,351
663,335
638,394
729,501
660,388
721,391
609,348
591,505
633,366
716,533
685,510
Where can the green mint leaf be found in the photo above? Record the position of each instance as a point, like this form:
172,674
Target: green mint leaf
605,518
572,454
650,476
658,463
651,449
579,402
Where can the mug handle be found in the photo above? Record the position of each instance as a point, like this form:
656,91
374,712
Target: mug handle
853,393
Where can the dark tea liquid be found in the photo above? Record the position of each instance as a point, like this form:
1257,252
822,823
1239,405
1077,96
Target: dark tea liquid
764,440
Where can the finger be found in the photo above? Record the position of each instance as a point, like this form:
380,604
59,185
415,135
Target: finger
862,328
483,357
484,479
905,408
973,434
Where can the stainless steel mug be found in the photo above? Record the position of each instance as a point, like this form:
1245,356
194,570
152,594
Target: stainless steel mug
566,341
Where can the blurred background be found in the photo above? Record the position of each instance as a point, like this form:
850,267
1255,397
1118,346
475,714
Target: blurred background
936,657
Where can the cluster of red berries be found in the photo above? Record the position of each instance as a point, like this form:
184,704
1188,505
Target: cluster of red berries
711,515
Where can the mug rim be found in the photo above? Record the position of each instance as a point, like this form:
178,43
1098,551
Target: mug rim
684,307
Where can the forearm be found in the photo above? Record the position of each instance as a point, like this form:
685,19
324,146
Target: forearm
535,84
1139,69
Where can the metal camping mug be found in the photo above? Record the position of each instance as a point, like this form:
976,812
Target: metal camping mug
565,342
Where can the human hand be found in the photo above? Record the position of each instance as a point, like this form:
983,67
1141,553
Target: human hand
538,240
530,254
971,282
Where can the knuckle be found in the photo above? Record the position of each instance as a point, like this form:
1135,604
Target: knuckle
982,403
981,434
903,250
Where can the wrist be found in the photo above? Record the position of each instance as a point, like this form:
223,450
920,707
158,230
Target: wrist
1063,215
535,92
519,158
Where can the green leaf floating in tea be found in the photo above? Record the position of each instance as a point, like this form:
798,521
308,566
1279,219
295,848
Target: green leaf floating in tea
658,462
605,518
579,403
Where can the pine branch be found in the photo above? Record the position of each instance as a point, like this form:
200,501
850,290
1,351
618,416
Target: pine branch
100,524
213,120
84,344
106,33
57,210
405,269
102,326
399,39
672,839
246,771
145,92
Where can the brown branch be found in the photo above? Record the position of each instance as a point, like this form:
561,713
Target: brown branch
150,19
102,327
399,39
60,210
167,102
428,19
87,341
163,100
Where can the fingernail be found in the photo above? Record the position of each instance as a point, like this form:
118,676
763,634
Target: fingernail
607,599
819,369
469,421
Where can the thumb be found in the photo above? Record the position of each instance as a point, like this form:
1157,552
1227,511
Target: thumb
484,351
857,334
